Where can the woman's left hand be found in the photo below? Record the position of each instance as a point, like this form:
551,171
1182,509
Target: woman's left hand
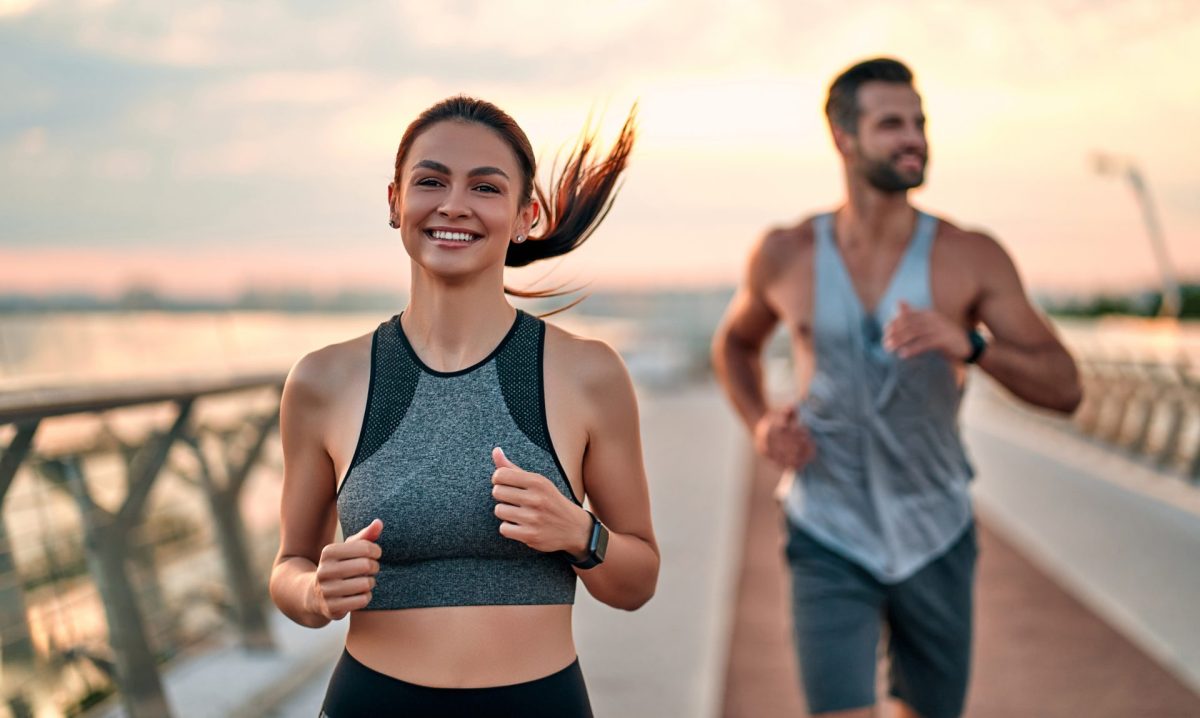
533,511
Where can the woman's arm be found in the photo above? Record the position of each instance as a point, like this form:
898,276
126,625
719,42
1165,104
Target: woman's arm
614,480
315,580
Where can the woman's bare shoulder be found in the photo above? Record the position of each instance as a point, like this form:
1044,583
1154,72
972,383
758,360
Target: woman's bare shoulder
322,374
595,365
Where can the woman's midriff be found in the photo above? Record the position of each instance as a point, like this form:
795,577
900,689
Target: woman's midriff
464,646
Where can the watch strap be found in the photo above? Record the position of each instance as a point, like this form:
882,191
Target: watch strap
595,554
978,345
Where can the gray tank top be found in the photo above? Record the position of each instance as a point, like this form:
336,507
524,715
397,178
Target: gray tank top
888,487
423,465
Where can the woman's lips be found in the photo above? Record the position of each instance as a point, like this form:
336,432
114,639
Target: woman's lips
453,237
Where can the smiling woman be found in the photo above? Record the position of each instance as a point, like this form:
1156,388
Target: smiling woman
583,192
456,444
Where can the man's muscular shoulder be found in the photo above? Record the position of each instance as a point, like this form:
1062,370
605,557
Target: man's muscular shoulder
780,251
967,266
970,248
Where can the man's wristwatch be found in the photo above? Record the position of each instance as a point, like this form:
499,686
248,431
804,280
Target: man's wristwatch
978,346
597,545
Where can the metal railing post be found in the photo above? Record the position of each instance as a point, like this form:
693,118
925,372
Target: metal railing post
136,669
15,645
246,591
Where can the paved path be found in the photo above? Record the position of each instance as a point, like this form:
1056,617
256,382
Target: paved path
667,659
1123,538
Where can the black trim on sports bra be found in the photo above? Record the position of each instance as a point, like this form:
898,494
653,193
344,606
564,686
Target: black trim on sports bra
458,372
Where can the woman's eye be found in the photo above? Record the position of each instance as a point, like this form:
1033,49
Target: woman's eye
486,188
428,182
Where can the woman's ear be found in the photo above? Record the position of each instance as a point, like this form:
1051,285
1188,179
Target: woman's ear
393,210
527,219
531,216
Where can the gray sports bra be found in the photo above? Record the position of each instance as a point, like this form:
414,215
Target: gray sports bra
423,465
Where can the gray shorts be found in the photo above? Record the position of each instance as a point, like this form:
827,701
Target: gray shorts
841,611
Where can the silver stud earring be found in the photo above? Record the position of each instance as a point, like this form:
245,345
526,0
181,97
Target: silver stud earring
392,223
519,238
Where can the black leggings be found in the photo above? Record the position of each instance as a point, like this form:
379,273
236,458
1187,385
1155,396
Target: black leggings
357,691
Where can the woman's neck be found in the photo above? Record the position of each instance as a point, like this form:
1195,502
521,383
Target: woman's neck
452,326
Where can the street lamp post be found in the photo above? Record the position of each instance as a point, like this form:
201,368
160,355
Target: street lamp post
1106,164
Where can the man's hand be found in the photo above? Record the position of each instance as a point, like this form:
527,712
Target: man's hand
780,437
915,331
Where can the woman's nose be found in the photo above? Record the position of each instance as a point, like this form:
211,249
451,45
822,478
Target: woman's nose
454,204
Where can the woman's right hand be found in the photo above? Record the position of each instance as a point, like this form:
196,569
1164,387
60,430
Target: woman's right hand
780,437
346,573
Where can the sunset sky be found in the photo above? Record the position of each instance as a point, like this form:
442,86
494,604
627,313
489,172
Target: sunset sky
205,148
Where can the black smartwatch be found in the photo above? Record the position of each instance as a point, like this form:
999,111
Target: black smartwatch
597,545
978,346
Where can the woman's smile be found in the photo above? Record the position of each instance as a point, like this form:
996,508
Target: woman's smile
453,238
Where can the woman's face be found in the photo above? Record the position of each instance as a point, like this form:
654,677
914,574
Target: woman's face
458,202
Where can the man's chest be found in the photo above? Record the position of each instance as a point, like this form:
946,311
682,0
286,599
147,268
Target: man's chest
800,294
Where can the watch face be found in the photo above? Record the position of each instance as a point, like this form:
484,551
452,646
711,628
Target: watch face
600,542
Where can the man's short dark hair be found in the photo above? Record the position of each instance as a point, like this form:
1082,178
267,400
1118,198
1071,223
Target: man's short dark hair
842,106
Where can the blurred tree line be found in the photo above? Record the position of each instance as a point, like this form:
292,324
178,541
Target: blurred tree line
670,306
1138,304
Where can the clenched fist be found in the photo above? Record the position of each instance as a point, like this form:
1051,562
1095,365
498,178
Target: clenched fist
916,331
780,437
346,573
533,511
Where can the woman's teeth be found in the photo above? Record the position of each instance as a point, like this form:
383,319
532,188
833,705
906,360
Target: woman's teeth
452,236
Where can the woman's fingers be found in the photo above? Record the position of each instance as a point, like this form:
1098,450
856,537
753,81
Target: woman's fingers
339,607
350,550
348,587
514,477
346,572
347,568
508,494
512,514
531,509
516,532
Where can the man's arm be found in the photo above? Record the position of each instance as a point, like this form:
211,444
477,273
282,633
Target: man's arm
737,359
738,343
1024,355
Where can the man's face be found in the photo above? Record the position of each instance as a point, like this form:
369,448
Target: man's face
890,150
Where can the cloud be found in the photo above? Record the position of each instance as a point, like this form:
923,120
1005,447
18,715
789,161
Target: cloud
293,88
246,125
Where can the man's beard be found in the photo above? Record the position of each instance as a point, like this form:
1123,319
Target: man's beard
884,177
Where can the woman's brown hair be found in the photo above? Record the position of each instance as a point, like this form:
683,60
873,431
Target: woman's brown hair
581,192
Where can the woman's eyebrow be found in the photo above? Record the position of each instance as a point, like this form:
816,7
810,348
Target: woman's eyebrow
432,165
477,172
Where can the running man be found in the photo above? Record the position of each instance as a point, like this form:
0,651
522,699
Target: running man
883,304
